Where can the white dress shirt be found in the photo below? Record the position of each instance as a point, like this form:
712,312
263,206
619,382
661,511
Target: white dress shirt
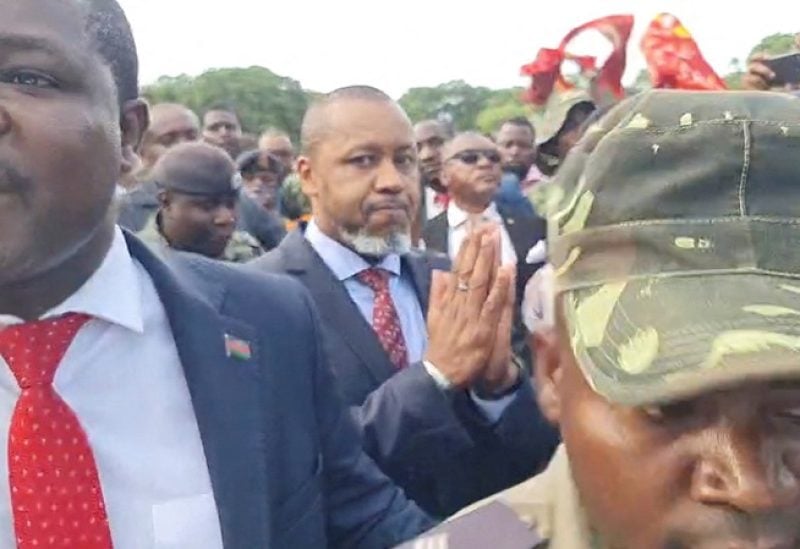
123,379
460,225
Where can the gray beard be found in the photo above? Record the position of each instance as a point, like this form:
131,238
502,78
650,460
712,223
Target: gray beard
377,246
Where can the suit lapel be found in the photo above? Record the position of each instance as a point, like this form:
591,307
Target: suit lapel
524,232
421,277
437,233
225,391
336,306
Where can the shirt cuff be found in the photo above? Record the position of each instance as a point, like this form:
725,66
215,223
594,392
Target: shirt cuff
438,377
493,410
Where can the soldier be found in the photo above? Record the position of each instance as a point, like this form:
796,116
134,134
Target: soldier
198,198
674,366
558,127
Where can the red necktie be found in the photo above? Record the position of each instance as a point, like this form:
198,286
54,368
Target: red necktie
55,489
385,320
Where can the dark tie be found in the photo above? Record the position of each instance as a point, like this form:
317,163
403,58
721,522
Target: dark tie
55,488
385,320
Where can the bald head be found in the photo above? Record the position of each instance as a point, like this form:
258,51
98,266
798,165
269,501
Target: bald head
427,128
467,141
196,168
170,125
316,123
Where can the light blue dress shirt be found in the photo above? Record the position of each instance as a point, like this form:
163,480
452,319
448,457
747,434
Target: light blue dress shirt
346,265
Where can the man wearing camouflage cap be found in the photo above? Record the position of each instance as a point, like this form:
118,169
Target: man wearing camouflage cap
674,367
198,198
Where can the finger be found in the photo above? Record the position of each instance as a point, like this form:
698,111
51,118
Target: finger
437,295
495,302
754,82
480,281
467,253
761,70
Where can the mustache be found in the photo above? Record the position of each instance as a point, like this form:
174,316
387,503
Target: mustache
387,204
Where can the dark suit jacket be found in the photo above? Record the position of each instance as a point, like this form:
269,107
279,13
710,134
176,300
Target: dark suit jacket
285,458
137,207
436,445
525,231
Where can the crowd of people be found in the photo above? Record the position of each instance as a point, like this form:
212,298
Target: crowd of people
389,330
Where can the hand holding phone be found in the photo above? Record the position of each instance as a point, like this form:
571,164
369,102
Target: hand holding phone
786,69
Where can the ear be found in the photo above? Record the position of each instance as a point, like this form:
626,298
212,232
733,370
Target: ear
134,119
164,199
548,372
306,174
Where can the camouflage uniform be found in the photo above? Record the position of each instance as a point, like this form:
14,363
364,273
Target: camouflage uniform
242,247
673,230
294,204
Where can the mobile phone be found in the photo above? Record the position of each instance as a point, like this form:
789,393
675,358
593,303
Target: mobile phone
786,69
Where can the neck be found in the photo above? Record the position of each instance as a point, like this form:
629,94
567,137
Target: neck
472,206
31,298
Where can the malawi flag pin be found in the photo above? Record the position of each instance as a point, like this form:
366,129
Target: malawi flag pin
237,348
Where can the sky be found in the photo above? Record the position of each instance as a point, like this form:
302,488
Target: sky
397,45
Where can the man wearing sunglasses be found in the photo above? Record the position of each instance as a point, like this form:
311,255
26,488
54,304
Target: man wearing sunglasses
471,173
262,178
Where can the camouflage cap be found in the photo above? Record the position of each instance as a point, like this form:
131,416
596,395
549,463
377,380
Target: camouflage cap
673,231
551,117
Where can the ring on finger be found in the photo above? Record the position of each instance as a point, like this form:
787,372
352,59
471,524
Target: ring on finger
462,286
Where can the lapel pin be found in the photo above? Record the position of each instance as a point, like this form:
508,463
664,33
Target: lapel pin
237,348
510,221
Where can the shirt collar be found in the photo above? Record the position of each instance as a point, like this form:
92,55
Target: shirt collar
457,217
112,293
343,261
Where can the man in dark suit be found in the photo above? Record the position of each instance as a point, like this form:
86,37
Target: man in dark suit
471,173
145,405
444,411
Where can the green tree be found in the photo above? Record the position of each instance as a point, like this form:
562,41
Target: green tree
457,99
775,44
501,106
261,98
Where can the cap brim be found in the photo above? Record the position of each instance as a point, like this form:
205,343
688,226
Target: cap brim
661,339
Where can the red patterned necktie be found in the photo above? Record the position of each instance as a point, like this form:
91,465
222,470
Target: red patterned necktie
385,320
55,488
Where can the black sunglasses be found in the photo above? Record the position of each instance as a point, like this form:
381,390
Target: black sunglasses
473,157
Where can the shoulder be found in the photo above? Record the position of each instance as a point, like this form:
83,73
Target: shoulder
274,261
242,247
242,287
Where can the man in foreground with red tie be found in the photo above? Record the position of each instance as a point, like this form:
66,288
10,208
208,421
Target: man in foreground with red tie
444,410
143,404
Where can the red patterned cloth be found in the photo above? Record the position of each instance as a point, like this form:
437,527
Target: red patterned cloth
674,59
385,320
545,70
55,488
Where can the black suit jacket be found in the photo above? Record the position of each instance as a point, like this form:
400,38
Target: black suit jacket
524,230
434,444
284,456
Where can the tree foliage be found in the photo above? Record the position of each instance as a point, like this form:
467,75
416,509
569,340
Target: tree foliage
262,98
775,44
456,99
